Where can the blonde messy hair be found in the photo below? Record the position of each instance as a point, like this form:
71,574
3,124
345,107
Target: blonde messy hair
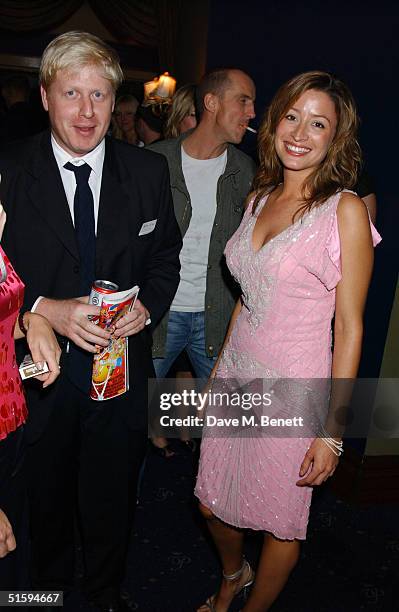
73,50
182,103
341,165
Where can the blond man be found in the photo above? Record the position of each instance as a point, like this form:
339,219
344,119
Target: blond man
77,204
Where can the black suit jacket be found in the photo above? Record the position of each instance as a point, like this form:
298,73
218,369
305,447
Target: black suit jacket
40,241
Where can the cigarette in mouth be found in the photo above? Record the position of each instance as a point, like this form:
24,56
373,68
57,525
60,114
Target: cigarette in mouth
251,130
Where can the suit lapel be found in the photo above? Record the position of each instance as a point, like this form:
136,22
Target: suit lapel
46,191
114,214
115,222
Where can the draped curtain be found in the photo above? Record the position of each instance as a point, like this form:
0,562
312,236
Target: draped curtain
143,23
167,14
28,16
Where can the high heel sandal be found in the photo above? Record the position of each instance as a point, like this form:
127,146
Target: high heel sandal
210,602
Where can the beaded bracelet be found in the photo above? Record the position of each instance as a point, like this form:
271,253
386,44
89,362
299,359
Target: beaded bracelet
21,323
336,447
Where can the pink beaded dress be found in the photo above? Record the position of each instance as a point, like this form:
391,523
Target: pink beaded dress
282,332
12,400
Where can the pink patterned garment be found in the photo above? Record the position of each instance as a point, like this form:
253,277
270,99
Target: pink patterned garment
12,400
282,331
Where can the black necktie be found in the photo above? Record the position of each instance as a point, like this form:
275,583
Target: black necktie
83,208
80,362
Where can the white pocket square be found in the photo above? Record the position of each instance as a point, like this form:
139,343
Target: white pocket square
148,227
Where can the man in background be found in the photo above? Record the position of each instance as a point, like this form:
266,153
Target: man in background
148,125
210,180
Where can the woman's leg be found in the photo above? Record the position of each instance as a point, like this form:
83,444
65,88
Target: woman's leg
277,560
229,542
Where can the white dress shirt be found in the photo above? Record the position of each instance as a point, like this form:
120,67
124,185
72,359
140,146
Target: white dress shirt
95,159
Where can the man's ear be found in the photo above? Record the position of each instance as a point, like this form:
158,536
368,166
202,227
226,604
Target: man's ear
211,102
43,94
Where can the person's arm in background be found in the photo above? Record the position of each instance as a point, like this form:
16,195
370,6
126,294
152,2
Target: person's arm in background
371,202
365,190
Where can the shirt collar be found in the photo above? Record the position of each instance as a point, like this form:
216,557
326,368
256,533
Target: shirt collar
94,158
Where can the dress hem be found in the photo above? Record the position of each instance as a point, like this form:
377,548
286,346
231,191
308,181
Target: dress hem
273,533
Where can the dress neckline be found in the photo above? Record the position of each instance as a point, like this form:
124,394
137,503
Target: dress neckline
278,235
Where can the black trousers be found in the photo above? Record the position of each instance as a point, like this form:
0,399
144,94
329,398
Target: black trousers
85,465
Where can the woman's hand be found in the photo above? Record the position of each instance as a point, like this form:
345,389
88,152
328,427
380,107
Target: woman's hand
3,218
43,346
323,462
7,539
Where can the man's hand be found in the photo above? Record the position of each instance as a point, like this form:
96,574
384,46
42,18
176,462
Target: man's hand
70,319
133,322
323,462
7,540
43,346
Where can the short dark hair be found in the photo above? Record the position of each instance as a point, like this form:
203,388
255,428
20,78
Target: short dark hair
215,82
148,115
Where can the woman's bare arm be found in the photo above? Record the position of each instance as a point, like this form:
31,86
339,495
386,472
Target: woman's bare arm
351,293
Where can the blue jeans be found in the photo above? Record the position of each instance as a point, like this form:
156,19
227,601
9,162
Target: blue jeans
186,330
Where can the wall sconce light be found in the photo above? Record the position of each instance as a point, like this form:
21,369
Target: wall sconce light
159,91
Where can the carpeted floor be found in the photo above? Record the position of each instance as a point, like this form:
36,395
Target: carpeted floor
349,562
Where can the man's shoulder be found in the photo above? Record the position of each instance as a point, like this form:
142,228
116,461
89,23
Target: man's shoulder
139,156
169,150
166,147
244,161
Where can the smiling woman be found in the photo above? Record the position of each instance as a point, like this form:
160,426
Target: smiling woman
303,251
306,131
315,92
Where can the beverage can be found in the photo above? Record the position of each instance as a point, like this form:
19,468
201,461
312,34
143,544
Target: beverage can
98,290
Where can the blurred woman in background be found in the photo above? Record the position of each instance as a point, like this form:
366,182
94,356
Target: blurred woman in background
124,119
182,115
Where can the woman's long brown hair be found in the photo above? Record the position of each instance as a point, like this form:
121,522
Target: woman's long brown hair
341,165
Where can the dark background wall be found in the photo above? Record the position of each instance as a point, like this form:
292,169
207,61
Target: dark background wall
359,41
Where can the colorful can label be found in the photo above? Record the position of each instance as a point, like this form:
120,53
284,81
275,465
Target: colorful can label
98,290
